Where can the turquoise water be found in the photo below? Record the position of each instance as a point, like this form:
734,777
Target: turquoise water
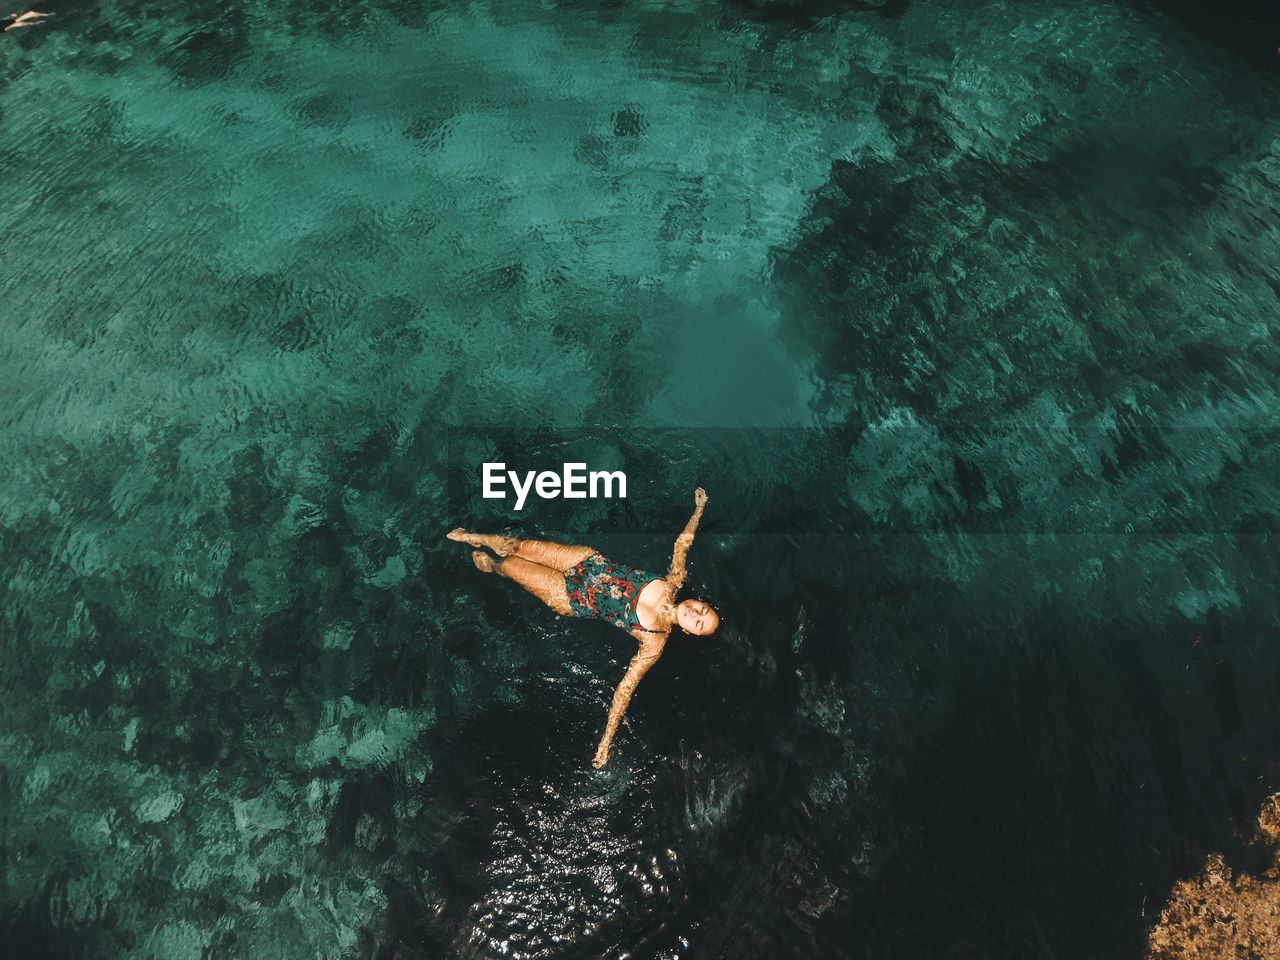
966,318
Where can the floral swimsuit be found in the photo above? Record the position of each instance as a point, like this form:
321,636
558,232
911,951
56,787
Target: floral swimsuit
607,590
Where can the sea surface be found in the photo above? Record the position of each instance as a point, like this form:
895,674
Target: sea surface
966,315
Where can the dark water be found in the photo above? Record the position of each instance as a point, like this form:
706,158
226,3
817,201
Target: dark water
965,315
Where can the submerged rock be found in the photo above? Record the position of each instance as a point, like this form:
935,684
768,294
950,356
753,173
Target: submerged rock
1221,913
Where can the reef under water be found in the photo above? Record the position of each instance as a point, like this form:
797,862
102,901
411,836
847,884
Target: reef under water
1223,914
967,316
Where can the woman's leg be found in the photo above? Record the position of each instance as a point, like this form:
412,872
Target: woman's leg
557,556
500,543
543,582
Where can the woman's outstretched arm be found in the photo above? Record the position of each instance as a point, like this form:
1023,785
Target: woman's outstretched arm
676,574
646,656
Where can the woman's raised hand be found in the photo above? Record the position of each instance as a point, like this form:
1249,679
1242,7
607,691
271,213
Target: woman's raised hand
700,497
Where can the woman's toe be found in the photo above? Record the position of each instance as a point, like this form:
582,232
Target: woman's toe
483,562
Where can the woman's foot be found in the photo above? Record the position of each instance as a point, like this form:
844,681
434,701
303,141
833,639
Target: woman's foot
483,562
501,544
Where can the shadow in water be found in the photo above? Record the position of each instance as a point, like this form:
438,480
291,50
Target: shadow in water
803,13
1248,29
31,932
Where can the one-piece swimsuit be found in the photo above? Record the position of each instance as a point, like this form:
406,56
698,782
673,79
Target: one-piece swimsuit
607,590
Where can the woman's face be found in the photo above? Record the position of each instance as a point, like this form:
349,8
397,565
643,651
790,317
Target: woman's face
697,618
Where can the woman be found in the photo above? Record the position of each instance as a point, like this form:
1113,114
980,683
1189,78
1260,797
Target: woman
15,20
578,581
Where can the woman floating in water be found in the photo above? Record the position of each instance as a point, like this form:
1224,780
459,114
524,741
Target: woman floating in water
13,21
578,581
